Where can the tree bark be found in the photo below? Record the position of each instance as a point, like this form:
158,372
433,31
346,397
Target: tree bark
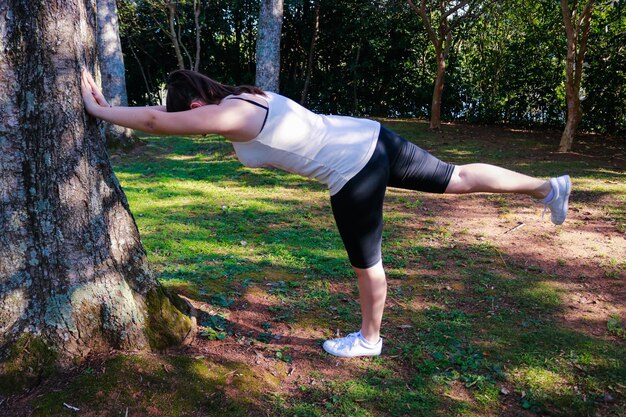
577,34
171,14
112,71
268,45
73,272
435,108
355,80
196,21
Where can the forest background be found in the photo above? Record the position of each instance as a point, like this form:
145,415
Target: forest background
505,65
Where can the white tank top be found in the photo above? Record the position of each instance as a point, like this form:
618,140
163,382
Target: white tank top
330,149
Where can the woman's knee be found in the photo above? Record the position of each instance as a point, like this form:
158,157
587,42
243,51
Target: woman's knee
375,271
458,183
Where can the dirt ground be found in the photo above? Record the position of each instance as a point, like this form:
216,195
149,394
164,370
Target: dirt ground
575,255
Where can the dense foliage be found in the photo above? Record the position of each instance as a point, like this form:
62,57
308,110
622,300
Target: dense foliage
374,58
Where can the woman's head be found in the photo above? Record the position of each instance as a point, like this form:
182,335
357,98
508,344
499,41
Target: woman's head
185,86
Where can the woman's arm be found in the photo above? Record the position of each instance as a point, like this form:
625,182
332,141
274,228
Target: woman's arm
231,119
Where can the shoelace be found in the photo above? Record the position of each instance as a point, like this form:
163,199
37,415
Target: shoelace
348,341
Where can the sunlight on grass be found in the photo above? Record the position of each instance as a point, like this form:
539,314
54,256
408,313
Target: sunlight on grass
611,185
542,382
542,294
463,319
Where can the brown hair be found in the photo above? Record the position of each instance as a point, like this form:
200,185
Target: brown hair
185,86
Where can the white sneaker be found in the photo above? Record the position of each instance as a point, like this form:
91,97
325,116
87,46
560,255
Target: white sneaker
562,187
353,345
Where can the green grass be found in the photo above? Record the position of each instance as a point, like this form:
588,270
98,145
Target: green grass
470,331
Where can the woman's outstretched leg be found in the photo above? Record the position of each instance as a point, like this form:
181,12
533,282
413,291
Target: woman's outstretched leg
476,178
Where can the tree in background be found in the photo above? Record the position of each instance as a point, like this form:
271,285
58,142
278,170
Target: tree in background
577,22
171,6
73,273
174,28
440,18
310,61
268,45
112,71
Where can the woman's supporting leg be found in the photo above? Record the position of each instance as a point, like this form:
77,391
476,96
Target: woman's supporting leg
358,211
372,295
475,178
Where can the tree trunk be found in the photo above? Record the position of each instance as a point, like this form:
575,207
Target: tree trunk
112,71
143,72
309,66
435,108
73,272
573,103
567,138
196,21
171,15
577,34
355,80
268,45
441,39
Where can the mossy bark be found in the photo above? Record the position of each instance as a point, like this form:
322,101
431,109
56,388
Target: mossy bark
73,272
166,326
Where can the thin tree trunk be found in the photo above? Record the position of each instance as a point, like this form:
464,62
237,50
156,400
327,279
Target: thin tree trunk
73,273
251,40
309,67
569,132
140,65
196,20
183,47
239,42
572,101
435,115
577,34
268,45
171,10
355,80
113,74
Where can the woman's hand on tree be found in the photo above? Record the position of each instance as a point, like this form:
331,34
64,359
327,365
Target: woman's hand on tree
92,96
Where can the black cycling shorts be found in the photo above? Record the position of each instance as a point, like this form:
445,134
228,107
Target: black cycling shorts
358,206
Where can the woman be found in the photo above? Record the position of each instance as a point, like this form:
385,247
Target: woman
356,158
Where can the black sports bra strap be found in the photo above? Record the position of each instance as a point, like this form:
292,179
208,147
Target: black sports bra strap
249,101
267,110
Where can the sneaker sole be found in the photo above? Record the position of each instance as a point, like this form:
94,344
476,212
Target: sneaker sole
565,207
339,355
